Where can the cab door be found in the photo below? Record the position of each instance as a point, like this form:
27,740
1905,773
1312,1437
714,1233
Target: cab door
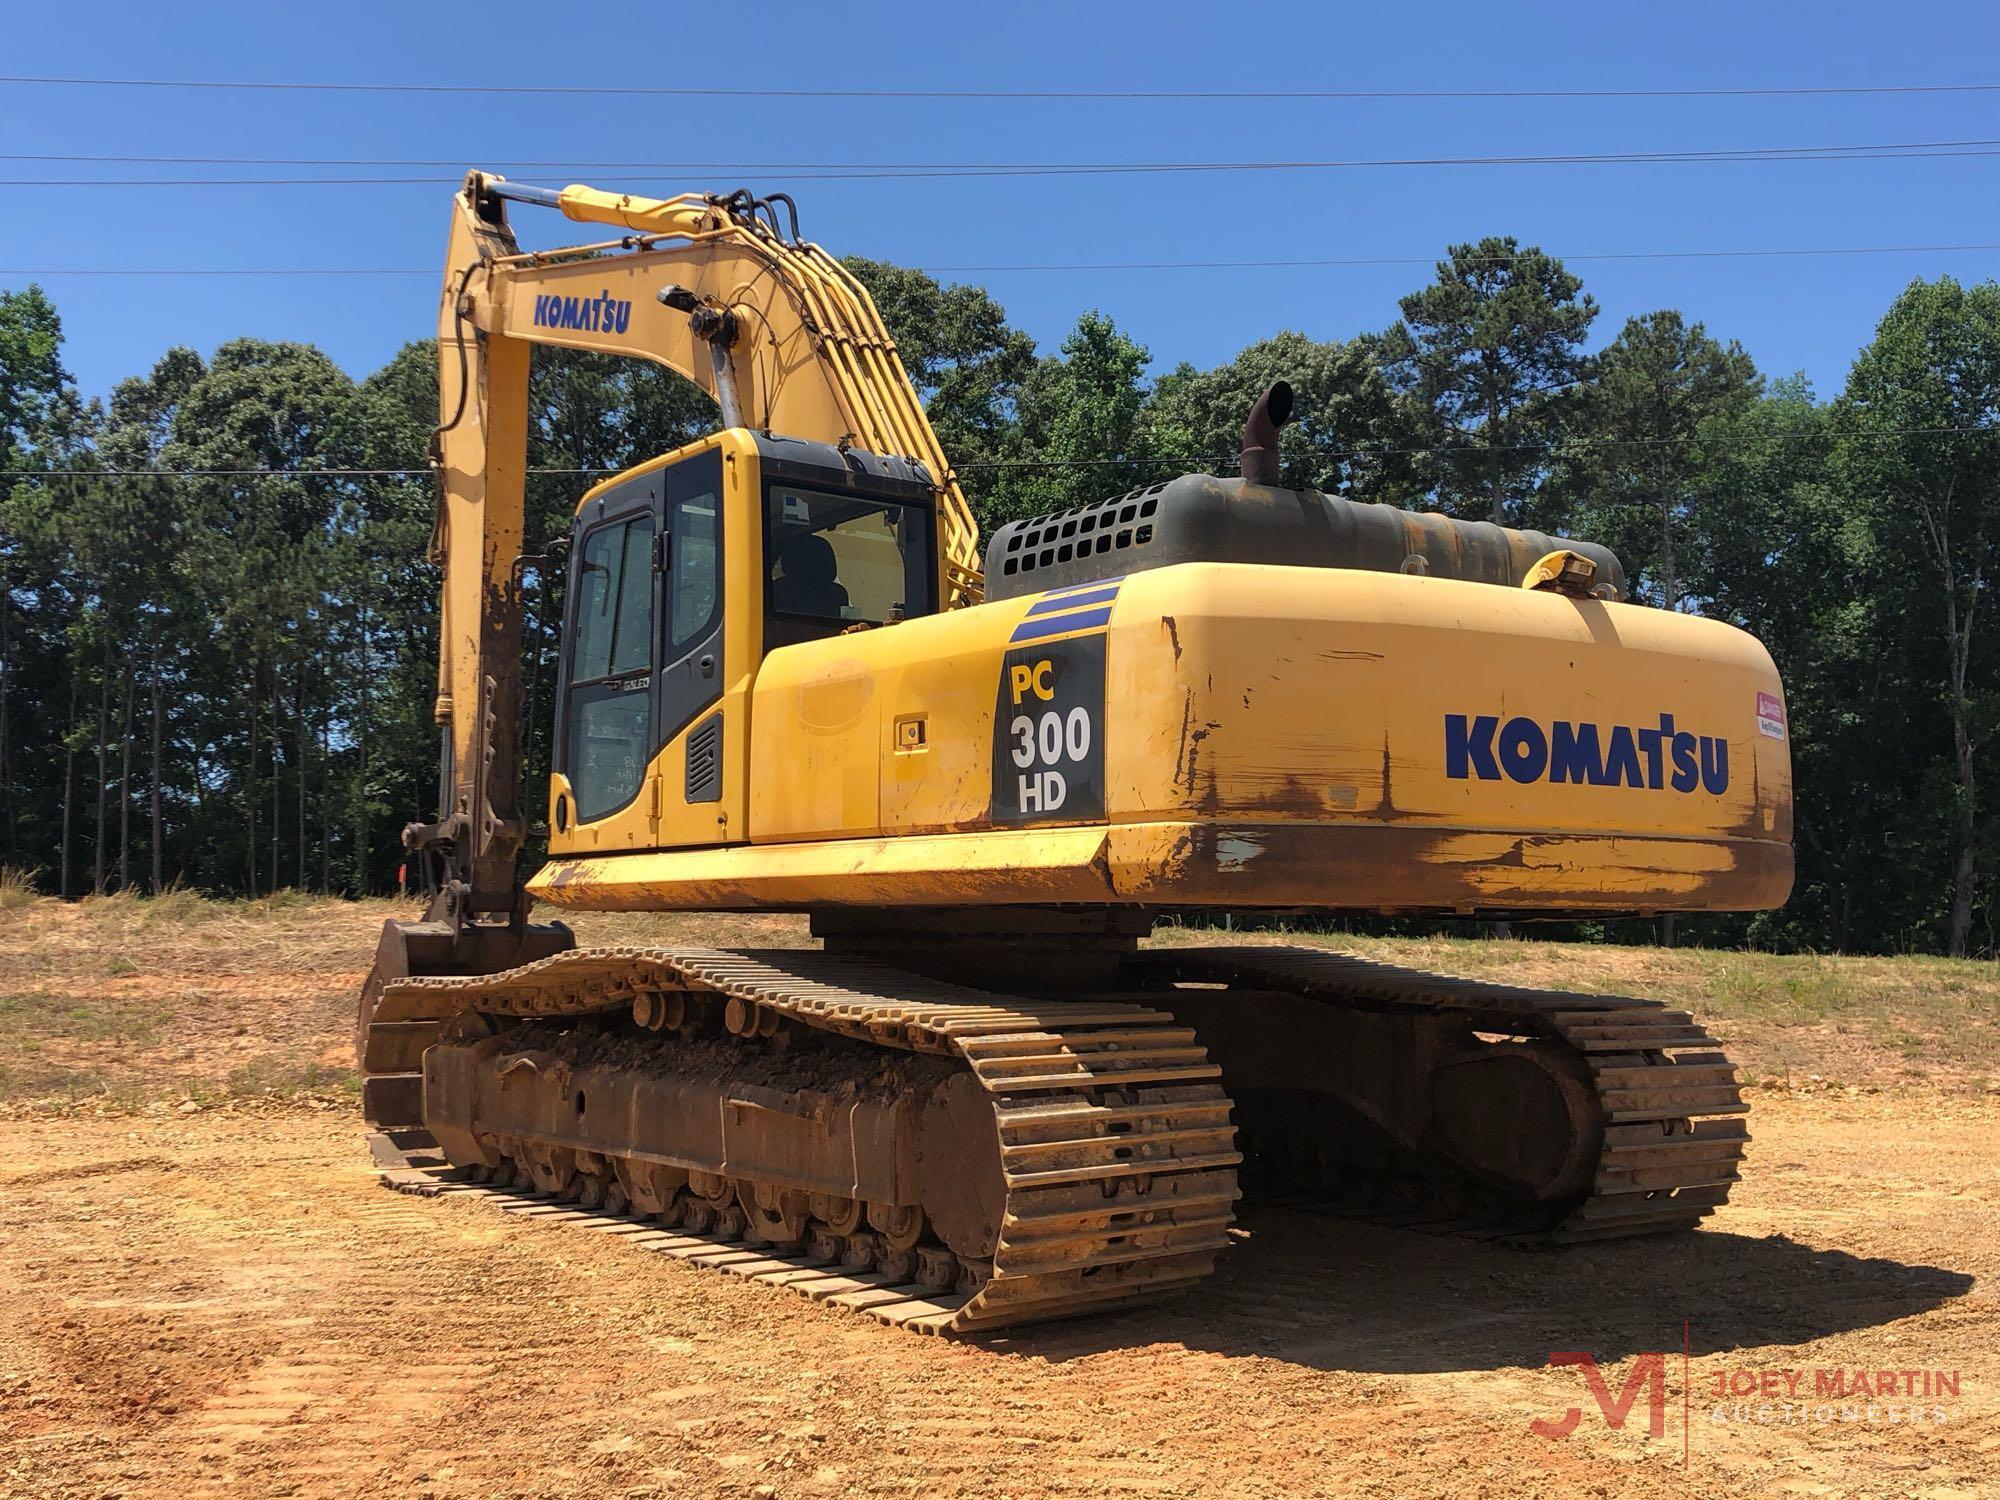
697,694
605,719
652,732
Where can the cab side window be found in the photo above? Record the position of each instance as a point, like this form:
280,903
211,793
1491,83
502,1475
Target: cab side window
695,525
839,560
609,709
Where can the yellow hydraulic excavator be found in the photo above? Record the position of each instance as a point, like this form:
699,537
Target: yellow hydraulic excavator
788,684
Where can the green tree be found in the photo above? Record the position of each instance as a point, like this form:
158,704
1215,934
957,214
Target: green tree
1628,470
968,364
1481,355
1922,416
38,402
1347,434
44,427
165,610
1079,419
260,546
1773,546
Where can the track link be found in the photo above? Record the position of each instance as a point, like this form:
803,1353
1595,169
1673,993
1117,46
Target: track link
1673,1134
1114,1135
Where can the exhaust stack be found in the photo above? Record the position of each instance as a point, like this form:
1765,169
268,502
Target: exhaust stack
1260,434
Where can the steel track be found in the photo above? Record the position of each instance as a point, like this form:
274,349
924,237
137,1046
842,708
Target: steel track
1673,1136
1115,1141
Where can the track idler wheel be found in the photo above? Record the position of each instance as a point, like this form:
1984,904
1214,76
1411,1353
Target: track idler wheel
958,1168
1523,1114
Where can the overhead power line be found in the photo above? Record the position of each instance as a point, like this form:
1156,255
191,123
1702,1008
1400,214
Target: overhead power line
459,164
700,91
1779,252
881,171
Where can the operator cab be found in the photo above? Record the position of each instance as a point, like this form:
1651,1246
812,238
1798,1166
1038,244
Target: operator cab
685,572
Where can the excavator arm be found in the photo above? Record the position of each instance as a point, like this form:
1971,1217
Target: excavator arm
777,331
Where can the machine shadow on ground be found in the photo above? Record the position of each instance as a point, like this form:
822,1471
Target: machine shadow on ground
1330,1294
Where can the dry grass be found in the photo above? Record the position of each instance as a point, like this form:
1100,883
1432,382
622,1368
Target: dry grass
123,1003
17,888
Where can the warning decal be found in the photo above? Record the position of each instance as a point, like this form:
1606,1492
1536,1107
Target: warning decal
1048,741
1770,716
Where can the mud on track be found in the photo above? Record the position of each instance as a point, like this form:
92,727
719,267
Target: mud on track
226,1303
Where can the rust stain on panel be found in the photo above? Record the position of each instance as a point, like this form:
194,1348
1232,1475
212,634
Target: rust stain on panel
1385,810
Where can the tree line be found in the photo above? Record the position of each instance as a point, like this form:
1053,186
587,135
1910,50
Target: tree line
217,626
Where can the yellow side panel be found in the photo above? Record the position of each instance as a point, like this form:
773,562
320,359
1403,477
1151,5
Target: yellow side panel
1289,694
882,730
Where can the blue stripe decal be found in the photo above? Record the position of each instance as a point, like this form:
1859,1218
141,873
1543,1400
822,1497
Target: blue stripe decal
1077,588
1073,601
1083,619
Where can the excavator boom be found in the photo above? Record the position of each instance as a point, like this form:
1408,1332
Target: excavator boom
777,331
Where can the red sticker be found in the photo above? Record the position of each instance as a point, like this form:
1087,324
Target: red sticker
1770,716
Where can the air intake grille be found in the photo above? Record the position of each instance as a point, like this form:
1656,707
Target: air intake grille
1072,535
704,770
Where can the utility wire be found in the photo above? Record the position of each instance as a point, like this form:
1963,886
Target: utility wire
1755,91
935,171
458,163
1087,265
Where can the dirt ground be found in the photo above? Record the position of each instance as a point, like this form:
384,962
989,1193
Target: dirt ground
207,1293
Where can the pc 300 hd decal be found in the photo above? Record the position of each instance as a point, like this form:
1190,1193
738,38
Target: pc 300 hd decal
1048,734
1654,756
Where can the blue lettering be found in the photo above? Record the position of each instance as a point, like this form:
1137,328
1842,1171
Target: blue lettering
603,313
1651,743
1573,754
1523,749
1684,772
1715,765
1621,761
1471,750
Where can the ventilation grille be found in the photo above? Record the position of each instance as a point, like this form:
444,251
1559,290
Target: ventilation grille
704,778
1087,531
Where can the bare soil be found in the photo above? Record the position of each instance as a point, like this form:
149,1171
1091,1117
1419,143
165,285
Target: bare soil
207,1292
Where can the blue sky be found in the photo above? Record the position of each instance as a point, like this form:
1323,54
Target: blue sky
1791,313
